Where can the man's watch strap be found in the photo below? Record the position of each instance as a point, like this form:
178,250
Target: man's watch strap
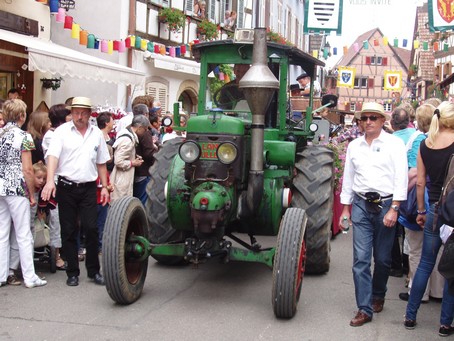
395,207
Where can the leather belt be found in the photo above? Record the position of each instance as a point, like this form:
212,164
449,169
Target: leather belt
384,198
68,183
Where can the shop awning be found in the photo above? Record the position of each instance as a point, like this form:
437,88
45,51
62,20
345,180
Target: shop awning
46,56
175,64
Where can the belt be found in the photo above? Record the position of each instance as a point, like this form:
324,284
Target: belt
68,183
383,198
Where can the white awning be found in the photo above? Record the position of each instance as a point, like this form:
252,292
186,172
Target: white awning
46,56
175,64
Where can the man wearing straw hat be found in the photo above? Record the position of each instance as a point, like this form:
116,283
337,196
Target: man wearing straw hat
375,182
78,154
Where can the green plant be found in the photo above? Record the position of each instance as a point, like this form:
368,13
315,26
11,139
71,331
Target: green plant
51,83
174,18
276,37
207,29
412,70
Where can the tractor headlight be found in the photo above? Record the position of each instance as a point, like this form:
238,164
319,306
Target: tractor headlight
313,127
227,152
189,151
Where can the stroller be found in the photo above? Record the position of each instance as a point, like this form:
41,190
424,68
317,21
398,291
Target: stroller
44,252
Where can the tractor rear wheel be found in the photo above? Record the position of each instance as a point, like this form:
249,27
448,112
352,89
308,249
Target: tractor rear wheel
289,262
123,271
313,191
161,230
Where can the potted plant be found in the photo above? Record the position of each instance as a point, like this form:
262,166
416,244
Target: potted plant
174,18
207,29
51,83
276,37
412,70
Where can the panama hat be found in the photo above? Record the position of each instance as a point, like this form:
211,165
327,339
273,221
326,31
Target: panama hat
374,108
80,102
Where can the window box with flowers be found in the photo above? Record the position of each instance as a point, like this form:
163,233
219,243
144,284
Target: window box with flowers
276,37
173,18
207,30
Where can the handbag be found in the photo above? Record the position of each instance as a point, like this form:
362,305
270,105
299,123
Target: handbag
446,263
41,234
409,207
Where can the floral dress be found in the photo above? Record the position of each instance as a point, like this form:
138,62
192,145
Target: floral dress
13,141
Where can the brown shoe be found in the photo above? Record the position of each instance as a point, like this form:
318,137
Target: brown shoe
13,280
360,319
377,304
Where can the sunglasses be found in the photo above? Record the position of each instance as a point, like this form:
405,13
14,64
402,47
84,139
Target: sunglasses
372,118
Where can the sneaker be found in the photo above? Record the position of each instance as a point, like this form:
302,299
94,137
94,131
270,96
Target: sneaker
13,280
37,283
409,324
2,284
445,331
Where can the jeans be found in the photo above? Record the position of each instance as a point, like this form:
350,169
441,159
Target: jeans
430,246
370,237
140,190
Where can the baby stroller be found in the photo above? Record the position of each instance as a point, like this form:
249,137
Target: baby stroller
44,252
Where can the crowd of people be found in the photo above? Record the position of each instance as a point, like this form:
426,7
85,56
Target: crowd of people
65,170
58,167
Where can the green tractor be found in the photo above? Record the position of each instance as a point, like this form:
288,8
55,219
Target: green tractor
244,169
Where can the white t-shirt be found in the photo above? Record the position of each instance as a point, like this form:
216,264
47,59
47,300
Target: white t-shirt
78,155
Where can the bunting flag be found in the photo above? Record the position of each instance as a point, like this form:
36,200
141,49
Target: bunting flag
393,80
323,16
346,77
441,15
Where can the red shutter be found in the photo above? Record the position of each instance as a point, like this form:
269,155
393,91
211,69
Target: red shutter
370,83
384,61
367,60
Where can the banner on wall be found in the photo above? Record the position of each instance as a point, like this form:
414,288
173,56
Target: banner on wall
441,15
346,77
325,16
393,80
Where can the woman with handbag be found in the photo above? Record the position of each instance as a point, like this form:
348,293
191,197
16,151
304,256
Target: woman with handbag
16,192
432,161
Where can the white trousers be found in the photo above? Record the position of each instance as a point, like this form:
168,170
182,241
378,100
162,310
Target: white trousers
16,209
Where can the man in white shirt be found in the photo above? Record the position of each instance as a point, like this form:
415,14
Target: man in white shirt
78,155
305,83
375,182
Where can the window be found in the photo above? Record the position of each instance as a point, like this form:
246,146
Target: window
352,106
360,82
159,92
376,60
388,107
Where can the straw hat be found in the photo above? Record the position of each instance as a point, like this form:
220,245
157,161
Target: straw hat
374,108
80,102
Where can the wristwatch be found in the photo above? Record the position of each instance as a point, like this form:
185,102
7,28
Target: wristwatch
395,208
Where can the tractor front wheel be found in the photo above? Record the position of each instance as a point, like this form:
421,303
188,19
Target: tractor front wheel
289,262
123,271
313,191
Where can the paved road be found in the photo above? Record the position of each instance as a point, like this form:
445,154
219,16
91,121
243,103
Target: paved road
213,302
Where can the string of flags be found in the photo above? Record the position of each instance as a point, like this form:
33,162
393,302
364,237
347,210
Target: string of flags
417,44
108,46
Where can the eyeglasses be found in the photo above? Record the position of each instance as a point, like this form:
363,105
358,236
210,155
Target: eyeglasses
373,118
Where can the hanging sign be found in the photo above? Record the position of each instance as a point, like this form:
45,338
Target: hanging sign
441,15
393,81
323,16
346,77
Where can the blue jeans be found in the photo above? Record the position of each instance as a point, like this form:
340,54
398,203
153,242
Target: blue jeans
370,237
430,247
140,190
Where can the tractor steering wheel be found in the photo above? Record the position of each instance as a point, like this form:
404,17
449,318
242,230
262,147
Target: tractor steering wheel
228,96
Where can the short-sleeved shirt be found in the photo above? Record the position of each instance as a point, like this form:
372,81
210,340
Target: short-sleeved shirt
13,141
78,156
